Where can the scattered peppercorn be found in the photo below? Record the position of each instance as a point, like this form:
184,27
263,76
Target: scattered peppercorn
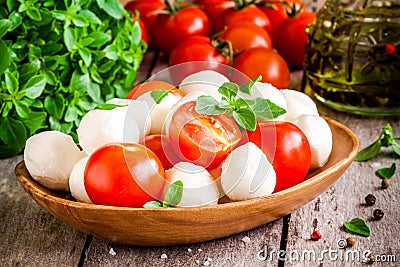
385,183
378,214
370,199
371,259
350,242
316,235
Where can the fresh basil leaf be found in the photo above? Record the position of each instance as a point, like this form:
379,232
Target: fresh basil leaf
396,147
59,14
11,83
94,92
22,109
80,21
158,95
85,55
108,106
35,122
208,105
152,205
111,52
100,38
246,88
265,109
71,114
387,172
54,105
85,42
12,133
34,13
369,152
174,193
35,86
229,90
5,58
90,16
106,66
357,226
245,118
5,25
112,8
69,39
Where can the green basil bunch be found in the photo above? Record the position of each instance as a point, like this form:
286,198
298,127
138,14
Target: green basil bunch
58,60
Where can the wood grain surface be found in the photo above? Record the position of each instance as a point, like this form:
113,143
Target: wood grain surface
30,236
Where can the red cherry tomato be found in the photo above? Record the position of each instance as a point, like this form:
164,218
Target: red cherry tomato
196,49
245,36
249,14
292,40
214,7
170,30
127,175
265,62
279,13
201,139
286,146
161,146
149,86
147,9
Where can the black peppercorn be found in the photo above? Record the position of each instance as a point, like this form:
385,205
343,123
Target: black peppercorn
370,199
385,183
378,214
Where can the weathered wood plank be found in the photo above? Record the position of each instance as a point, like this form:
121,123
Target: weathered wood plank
30,236
345,201
229,251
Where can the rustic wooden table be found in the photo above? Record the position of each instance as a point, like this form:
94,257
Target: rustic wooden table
30,236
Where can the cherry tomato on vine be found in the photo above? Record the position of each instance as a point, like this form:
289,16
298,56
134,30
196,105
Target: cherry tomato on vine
214,7
247,14
201,139
280,12
245,36
265,62
171,29
286,146
127,175
147,9
195,49
292,40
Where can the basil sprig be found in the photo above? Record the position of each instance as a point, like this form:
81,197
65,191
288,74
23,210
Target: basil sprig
58,60
387,173
357,226
244,111
173,197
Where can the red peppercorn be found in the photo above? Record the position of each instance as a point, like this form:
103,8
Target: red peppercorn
316,235
390,49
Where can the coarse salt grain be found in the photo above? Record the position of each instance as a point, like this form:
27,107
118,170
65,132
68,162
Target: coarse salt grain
200,250
164,256
112,252
189,250
246,239
198,261
206,263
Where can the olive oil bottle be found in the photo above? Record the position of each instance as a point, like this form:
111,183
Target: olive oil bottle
352,59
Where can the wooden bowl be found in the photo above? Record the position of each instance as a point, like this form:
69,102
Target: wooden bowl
161,227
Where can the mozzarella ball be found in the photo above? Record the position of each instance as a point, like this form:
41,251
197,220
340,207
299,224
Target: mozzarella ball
247,173
267,91
159,112
77,181
137,110
100,127
199,189
319,135
50,157
298,104
207,81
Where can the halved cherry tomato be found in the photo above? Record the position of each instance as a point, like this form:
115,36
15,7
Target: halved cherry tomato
127,175
286,146
266,62
171,29
245,36
161,146
249,14
149,86
201,139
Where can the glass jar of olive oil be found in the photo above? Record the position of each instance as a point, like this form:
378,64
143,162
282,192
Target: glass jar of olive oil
353,56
